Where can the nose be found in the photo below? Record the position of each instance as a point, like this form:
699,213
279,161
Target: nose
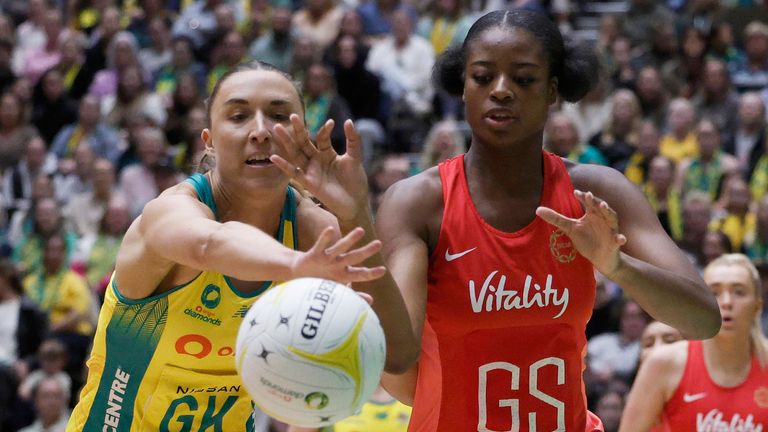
259,132
501,91
725,300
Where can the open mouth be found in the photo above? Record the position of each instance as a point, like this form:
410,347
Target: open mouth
258,161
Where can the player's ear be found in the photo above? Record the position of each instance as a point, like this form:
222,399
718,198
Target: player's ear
552,90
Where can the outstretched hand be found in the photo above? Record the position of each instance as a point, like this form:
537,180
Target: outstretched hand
595,235
338,181
337,260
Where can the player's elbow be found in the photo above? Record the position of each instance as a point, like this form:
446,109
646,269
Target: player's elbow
707,325
401,363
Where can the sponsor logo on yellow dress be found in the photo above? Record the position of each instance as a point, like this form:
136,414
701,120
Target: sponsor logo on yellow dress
561,247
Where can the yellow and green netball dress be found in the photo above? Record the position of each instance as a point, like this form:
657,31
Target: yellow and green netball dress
166,363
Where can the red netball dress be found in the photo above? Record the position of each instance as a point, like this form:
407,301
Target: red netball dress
504,342
699,404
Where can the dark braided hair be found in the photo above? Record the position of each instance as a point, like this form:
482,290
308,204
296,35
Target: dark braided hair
575,66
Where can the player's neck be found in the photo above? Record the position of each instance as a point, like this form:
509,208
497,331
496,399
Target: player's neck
511,169
261,208
728,354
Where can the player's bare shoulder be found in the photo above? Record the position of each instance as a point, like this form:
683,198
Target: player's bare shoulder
414,204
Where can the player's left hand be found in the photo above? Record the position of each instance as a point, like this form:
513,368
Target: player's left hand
595,235
338,181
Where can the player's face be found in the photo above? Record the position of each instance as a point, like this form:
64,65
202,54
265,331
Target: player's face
243,116
736,297
657,333
507,86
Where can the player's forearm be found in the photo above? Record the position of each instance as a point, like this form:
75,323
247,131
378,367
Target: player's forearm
246,253
388,303
672,298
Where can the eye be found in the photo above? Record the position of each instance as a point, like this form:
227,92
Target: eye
280,117
237,117
525,81
482,79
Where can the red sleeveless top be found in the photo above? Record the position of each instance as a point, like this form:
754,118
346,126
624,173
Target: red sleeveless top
699,404
503,341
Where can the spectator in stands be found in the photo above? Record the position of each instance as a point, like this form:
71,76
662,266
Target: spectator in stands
735,217
46,222
680,141
15,132
661,193
210,54
319,20
157,55
30,34
84,211
403,62
591,113
378,16
445,23
706,171
71,65
756,244
22,220
190,147
696,215
122,53
137,181
358,86
609,407
143,20
100,250
443,142
618,139
17,181
683,73
751,72
303,56
322,103
641,18
64,295
198,21
662,47
7,77
276,46
97,55
46,56
648,143
75,175
91,130
722,43
182,61
623,75
22,328
52,356
185,97
717,99
385,172
714,244
232,53
748,140
562,139
133,98
53,107
652,95
614,355
51,402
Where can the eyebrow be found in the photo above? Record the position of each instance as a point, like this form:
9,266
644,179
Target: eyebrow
238,101
519,65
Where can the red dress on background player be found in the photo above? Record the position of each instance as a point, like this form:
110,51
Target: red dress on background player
494,252
720,384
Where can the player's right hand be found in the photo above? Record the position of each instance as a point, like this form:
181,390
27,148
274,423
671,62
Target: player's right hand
338,261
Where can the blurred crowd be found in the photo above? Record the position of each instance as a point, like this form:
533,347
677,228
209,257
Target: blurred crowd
102,104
